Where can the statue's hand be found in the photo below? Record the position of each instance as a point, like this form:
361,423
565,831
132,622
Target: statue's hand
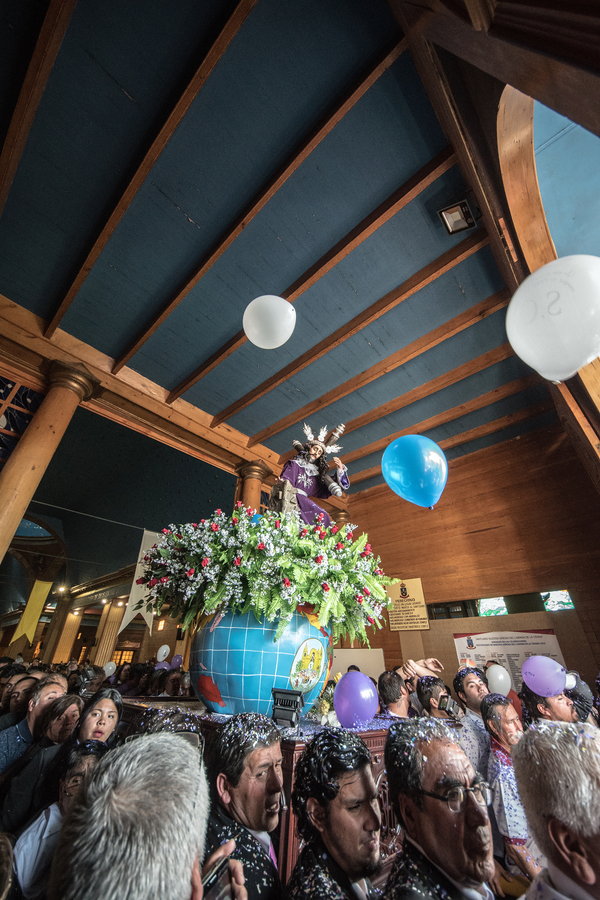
338,463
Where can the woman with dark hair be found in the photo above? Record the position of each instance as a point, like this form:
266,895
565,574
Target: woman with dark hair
36,787
100,717
122,674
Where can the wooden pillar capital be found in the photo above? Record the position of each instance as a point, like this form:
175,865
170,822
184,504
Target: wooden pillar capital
72,378
255,469
252,474
340,516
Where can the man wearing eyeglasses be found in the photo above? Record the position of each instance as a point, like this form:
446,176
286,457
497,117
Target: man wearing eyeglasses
522,855
441,802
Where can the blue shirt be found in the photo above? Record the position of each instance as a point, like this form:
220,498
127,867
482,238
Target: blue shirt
14,742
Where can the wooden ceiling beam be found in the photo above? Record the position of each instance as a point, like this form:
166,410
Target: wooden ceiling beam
449,415
472,160
471,367
128,398
399,199
43,57
395,360
412,285
473,434
258,202
215,53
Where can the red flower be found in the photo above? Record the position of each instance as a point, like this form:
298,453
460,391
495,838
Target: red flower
317,529
203,521
238,504
205,562
334,529
318,560
320,517
325,586
370,620
141,581
214,526
287,582
250,512
379,571
277,523
260,546
367,546
178,536
348,535
234,520
152,582
323,534
237,561
366,592
190,572
194,524
339,546
359,599
218,512
304,532
164,579
166,531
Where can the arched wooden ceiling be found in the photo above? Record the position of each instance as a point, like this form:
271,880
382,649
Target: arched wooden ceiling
163,164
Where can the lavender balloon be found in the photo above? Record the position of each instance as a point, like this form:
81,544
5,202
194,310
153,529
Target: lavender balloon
544,676
162,665
355,699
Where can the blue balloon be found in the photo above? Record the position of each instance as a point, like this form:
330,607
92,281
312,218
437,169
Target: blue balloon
256,518
416,469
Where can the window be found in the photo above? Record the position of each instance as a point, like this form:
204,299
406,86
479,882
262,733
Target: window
492,606
122,656
557,600
161,625
81,656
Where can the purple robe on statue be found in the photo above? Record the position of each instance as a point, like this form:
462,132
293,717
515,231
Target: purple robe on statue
304,476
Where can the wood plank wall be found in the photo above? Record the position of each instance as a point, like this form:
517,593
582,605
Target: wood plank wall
521,516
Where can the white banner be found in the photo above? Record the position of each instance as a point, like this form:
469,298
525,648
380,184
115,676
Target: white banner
508,648
139,590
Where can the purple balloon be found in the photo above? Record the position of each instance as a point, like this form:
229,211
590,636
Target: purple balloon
544,676
162,665
355,699
176,661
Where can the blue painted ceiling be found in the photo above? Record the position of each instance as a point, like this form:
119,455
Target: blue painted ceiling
117,76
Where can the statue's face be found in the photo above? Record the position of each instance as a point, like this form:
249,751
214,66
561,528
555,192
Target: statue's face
315,451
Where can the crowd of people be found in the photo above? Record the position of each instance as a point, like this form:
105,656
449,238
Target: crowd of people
486,808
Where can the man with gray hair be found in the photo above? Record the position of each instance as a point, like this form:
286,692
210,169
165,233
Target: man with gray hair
138,831
441,802
557,765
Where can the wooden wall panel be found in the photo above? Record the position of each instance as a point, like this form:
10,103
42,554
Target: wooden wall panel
521,516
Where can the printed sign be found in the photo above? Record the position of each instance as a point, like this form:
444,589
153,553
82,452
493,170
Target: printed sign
508,648
409,612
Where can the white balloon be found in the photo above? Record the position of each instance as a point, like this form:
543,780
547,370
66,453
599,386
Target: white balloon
269,321
498,680
553,319
163,652
110,669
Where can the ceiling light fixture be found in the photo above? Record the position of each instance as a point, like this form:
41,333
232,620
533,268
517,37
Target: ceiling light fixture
457,217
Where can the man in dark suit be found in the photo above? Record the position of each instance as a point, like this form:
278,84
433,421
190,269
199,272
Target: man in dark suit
244,773
335,800
441,803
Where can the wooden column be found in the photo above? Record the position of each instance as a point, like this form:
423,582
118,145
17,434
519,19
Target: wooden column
252,474
341,517
108,641
29,460
67,638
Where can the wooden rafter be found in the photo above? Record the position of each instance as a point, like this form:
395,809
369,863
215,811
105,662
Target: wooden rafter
411,286
395,360
48,44
473,434
384,212
199,78
498,354
448,415
259,201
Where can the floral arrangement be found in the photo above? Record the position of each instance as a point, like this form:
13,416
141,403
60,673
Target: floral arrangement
270,564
